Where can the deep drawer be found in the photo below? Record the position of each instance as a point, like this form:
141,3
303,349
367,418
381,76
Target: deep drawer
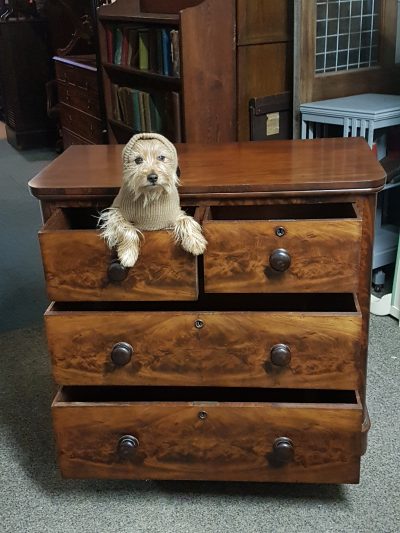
282,248
70,139
77,264
307,341
82,99
81,123
210,434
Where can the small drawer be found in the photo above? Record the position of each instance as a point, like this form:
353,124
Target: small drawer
299,341
79,77
79,98
70,139
282,248
208,434
82,124
79,266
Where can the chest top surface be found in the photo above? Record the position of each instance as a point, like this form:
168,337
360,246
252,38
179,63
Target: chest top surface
335,165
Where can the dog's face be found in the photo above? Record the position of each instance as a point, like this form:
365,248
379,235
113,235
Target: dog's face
151,169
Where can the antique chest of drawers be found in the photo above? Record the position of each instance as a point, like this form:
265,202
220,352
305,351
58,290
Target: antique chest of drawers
79,100
248,363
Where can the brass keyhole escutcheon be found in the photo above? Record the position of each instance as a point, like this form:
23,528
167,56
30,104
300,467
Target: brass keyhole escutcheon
198,324
202,415
280,231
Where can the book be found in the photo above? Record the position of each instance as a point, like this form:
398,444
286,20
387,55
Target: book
121,99
156,123
153,60
110,41
166,52
136,111
133,49
116,112
117,46
141,111
147,115
125,46
159,44
175,53
143,36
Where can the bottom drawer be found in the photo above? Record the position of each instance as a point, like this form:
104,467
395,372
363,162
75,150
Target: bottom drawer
208,434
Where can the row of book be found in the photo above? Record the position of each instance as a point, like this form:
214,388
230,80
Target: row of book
142,111
151,49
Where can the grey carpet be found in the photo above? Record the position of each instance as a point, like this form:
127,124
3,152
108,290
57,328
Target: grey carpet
33,497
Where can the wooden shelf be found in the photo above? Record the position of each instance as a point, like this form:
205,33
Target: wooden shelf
122,125
161,19
172,83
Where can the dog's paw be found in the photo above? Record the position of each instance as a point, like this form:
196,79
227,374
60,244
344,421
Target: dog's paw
195,243
128,254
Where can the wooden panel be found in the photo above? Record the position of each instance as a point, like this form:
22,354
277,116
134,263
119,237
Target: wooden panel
242,168
263,70
231,349
166,6
79,77
82,124
231,442
263,21
324,256
76,262
82,99
70,138
208,66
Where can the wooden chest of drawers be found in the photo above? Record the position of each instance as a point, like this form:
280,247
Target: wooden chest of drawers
79,100
246,364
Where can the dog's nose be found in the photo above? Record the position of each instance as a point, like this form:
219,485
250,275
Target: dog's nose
152,178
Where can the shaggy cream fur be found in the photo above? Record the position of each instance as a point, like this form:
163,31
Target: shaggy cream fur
148,200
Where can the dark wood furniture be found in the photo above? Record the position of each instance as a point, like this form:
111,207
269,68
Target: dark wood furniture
246,364
79,100
25,68
254,59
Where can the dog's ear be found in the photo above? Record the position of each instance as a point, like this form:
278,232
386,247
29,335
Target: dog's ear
178,172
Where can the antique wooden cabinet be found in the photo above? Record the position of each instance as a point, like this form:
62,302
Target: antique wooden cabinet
246,364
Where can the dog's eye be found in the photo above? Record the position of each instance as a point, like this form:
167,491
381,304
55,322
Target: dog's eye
139,160
161,157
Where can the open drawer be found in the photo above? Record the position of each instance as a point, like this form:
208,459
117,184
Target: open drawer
282,248
79,266
285,340
209,434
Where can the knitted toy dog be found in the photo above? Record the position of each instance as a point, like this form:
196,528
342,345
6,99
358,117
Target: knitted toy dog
148,200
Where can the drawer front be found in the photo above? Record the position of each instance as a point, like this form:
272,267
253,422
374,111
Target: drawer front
251,349
247,441
250,256
79,98
78,77
70,139
82,124
77,266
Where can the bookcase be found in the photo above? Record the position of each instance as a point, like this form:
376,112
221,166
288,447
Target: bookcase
169,67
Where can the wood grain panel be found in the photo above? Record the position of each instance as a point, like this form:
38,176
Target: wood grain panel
336,165
233,442
264,69
231,349
324,256
76,261
262,21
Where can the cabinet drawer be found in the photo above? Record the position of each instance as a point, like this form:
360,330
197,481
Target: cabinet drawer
79,77
276,344
210,434
70,139
79,98
282,248
79,266
82,124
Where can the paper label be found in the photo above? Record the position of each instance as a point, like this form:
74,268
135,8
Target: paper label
272,123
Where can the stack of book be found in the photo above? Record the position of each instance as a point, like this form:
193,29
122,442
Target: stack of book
142,111
152,49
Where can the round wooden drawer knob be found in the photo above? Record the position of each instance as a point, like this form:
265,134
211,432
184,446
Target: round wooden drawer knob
116,271
280,355
127,445
283,449
121,353
280,260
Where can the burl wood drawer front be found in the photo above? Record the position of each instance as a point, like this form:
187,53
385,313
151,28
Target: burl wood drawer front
78,265
208,434
79,98
81,123
310,349
283,248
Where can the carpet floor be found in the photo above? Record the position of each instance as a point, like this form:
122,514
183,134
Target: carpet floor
35,499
